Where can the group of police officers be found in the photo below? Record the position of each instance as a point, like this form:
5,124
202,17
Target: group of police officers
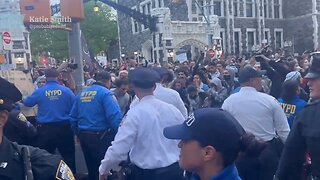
148,136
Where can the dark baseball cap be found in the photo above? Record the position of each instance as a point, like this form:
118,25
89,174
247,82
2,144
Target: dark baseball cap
210,127
9,94
51,73
314,71
249,72
102,75
144,78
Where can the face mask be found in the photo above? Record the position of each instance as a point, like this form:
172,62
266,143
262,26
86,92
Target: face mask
226,77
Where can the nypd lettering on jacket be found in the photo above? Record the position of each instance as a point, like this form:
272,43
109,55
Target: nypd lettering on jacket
289,109
54,102
53,94
87,96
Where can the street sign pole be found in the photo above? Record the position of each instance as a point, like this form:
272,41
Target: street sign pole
75,54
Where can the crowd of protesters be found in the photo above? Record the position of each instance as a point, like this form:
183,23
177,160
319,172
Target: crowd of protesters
211,83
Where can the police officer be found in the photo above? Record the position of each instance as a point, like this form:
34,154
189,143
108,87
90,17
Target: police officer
54,104
305,133
152,156
261,115
18,162
96,116
167,95
211,140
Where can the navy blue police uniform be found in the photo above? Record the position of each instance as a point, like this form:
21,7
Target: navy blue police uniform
19,129
54,104
95,117
20,162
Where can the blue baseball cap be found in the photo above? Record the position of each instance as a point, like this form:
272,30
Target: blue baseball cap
210,127
249,72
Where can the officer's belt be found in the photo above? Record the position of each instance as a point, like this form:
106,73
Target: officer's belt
92,132
40,124
152,172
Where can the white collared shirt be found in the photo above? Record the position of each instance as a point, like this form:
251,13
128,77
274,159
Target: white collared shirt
141,133
169,96
258,113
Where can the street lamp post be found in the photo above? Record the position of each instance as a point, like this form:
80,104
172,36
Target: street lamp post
122,57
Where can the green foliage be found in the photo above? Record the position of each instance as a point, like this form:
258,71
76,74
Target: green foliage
99,28
54,41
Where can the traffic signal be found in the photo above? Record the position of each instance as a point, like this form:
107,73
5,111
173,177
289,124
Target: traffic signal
43,60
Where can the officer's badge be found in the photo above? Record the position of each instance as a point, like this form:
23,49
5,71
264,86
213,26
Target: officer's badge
21,117
1,101
64,172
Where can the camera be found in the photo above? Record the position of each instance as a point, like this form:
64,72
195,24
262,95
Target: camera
263,51
72,66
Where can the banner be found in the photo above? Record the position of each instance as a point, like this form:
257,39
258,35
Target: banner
182,57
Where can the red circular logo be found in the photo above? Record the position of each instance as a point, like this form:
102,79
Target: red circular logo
6,37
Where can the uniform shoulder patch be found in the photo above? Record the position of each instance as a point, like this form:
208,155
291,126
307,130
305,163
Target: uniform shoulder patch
64,172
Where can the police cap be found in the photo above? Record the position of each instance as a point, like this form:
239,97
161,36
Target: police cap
9,94
144,78
314,71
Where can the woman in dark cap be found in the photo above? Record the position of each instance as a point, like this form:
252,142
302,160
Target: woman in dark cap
211,140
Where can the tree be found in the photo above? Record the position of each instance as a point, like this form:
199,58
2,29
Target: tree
54,41
99,28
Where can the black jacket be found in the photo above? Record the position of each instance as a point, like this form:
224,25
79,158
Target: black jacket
276,72
18,129
14,162
304,137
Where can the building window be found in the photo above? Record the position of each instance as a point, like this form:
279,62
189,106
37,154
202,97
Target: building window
168,43
267,36
222,36
237,41
153,4
236,11
145,8
241,8
251,38
154,40
217,7
160,3
18,55
270,8
18,45
249,8
276,6
265,9
278,38
160,40
194,7
135,25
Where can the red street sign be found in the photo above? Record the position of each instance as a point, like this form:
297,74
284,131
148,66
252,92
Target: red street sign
6,37
212,53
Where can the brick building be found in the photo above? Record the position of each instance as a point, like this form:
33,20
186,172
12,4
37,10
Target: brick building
242,24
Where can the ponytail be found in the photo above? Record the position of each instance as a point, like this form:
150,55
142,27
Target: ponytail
250,146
